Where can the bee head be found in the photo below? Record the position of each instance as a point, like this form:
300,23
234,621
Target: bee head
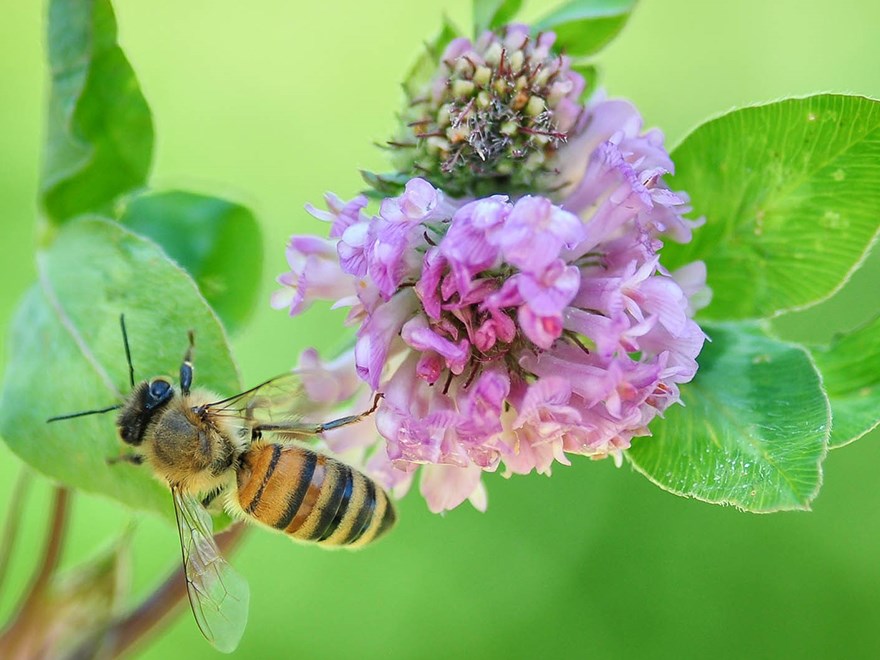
146,399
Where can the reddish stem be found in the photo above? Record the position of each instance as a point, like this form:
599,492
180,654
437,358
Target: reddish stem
22,634
153,613
13,520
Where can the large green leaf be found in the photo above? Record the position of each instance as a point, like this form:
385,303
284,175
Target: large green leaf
584,27
753,431
66,354
791,196
850,369
100,133
216,241
490,14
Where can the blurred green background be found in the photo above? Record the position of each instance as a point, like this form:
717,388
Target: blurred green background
274,102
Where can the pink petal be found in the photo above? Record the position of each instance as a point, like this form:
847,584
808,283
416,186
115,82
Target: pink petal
444,487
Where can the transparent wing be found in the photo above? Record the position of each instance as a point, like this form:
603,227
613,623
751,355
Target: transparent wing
282,407
277,399
218,595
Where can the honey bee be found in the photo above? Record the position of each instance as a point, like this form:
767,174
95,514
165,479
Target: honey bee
204,447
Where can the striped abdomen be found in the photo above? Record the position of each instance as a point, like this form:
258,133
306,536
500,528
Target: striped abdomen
312,497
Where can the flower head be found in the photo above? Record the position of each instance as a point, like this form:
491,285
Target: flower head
512,330
493,113
518,332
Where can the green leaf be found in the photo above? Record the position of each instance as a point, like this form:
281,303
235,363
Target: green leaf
66,355
216,241
491,14
753,431
425,66
384,185
584,27
850,369
100,133
791,196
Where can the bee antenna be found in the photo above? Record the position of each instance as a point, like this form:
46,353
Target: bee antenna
84,413
127,353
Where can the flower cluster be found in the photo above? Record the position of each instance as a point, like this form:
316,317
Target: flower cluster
514,332
492,115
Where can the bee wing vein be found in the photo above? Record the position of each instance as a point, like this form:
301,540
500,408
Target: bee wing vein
218,595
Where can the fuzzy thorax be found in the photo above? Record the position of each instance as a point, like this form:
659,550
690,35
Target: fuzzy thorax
192,447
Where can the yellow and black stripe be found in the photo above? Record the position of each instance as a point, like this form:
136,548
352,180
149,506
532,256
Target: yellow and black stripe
312,497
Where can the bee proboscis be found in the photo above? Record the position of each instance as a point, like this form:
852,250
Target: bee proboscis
204,447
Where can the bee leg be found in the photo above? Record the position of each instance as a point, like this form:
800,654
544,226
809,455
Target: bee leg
186,369
134,459
351,419
305,429
211,499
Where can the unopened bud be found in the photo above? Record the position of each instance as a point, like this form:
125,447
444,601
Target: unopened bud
487,120
463,88
482,76
516,61
535,106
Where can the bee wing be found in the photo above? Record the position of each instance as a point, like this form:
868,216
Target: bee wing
281,406
218,595
279,398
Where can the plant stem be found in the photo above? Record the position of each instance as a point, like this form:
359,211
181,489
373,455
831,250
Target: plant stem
13,520
152,614
55,542
21,639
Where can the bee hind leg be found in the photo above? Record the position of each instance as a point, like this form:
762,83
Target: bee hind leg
351,419
305,429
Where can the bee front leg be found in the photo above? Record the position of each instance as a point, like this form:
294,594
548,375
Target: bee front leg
211,501
133,459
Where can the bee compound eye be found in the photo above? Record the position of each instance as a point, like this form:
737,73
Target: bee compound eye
160,390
